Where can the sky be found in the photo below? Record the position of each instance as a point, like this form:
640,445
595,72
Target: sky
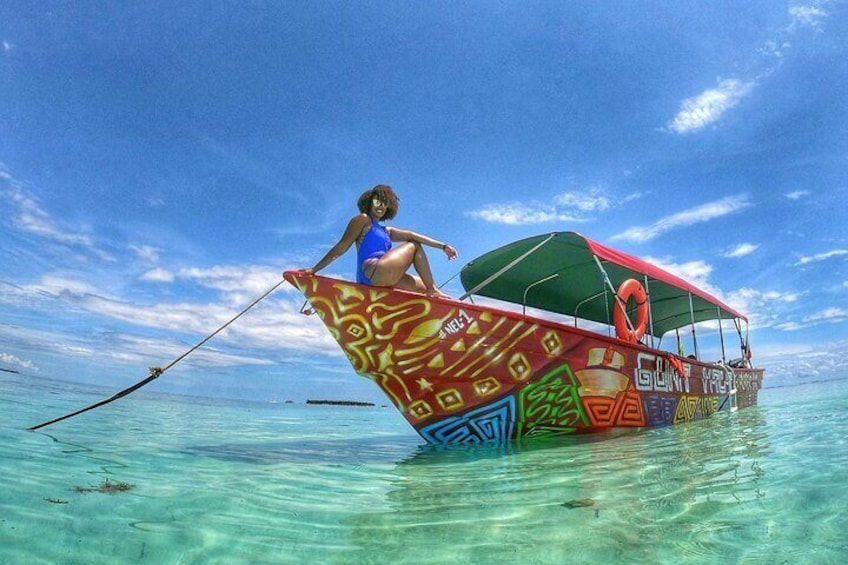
161,164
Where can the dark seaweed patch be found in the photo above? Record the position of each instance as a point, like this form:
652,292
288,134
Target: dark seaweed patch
107,487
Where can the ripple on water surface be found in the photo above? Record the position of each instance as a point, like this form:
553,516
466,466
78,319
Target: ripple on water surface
221,482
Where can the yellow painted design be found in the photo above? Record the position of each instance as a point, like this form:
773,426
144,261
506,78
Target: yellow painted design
424,384
420,409
389,319
473,329
503,351
388,382
384,358
350,297
693,405
437,362
356,330
519,367
487,386
467,359
450,399
459,346
376,295
425,330
552,343
486,317
686,407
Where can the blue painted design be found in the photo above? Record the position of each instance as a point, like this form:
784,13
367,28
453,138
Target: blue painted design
493,423
659,410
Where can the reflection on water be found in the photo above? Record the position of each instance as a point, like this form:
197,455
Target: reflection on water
675,490
640,490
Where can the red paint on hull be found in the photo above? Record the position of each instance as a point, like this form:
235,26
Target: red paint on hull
459,372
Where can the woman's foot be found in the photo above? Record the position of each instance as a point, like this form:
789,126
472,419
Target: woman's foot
436,292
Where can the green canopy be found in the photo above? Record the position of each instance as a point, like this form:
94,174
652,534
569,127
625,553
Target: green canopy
559,272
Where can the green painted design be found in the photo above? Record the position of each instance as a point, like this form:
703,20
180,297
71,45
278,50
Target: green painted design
551,406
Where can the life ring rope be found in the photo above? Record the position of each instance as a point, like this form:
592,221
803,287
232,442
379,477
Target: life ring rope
624,328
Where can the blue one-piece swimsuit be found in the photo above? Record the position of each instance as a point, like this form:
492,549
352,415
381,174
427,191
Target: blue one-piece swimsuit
374,245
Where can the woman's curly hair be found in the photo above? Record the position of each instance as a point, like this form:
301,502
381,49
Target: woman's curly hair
385,194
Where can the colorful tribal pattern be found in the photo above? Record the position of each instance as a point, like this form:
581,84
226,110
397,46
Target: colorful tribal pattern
461,373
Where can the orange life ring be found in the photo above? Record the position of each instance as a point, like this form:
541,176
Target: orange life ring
631,288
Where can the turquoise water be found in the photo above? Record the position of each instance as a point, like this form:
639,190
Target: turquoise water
226,482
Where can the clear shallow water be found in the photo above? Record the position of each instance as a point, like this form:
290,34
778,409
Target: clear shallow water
227,482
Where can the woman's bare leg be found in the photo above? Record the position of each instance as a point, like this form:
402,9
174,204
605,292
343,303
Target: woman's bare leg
391,269
408,282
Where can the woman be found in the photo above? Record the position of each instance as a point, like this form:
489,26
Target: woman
378,263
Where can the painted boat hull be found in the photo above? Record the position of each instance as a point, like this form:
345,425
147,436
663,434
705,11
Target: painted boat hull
463,373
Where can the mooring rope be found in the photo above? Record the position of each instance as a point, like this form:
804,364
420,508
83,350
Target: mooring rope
156,372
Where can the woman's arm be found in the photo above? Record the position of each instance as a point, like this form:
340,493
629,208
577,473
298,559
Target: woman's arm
354,228
397,234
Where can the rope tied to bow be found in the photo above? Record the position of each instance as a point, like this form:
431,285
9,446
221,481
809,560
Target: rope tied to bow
156,372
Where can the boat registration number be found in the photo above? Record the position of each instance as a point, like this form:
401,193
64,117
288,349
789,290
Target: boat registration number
455,325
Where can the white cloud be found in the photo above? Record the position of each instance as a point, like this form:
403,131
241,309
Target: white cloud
756,298
741,250
764,309
797,194
29,217
797,362
706,108
56,285
565,207
239,284
7,46
158,275
273,325
695,272
821,256
146,252
832,315
698,214
278,324
515,213
775,48
591,202
633,196
144,350
807,15
15,361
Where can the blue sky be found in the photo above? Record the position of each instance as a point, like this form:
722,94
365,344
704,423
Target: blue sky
162,163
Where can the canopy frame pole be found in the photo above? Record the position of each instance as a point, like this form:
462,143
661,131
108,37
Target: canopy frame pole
650,310
615,296
721,336
586,300
692,317
738,323
505,268
526,290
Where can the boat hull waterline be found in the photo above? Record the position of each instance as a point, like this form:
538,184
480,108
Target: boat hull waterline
464,373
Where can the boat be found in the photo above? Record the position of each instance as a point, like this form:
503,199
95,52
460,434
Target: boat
565,337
